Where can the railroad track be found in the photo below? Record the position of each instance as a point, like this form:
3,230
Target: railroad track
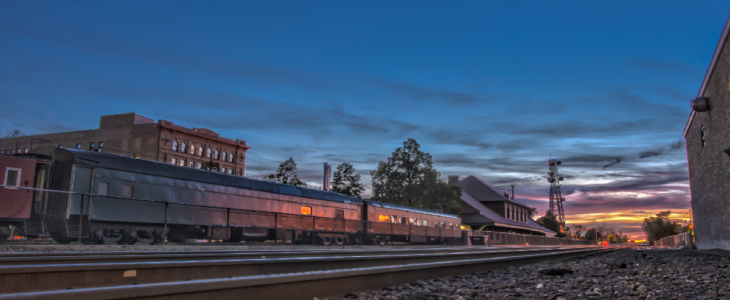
297,277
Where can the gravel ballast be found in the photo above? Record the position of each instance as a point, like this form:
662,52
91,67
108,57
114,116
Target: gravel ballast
623,274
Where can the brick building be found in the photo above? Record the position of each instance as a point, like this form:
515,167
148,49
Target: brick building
134,135
707,140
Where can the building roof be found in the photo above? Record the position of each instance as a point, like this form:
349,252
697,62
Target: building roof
482,191
488,217
710,69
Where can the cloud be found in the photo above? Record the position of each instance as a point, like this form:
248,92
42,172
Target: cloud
618,160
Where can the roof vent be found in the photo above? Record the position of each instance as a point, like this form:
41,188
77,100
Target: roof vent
700,104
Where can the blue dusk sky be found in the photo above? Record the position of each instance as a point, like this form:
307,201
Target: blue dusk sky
489,88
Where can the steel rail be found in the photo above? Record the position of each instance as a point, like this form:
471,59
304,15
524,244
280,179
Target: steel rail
102,257
48,277
301,285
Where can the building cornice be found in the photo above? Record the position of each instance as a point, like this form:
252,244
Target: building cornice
239,144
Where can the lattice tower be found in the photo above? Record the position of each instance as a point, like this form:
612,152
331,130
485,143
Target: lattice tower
556,198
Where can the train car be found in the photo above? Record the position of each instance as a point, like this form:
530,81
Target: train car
394,223
21,209
113,198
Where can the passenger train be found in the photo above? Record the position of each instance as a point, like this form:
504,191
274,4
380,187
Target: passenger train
114,198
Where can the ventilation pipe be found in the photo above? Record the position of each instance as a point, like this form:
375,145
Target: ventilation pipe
513,192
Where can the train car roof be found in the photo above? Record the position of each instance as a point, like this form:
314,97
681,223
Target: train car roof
410,209
149,167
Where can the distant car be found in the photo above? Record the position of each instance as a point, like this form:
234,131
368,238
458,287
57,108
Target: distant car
605,243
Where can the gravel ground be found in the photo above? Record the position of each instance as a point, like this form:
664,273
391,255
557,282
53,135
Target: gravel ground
624,274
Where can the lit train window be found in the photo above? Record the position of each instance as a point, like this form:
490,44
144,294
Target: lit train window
306,210
425,222
393,219
451,225
384,218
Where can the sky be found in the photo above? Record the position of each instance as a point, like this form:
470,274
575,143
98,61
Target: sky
490,88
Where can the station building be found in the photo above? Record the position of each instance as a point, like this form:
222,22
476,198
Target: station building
707,141
133,135
485,208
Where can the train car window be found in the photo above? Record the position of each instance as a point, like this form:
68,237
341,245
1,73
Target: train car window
173,160
306,210
393,219
12,177
78,146
174,146
403,220
200,150
25,150
128,191
451,225
425,223
339,214
183,147
208,153
102,189
384,218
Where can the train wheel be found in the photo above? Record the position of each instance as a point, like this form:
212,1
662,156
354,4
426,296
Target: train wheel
339,241
127,241
326,240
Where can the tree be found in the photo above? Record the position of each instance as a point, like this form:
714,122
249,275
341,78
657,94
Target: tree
578,229
550,221
210,166
660,226
531,212
345,181
408,178
286,173
591,234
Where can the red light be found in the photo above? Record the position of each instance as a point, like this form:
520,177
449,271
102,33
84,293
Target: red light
605,243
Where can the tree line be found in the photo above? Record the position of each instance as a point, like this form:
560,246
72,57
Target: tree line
407,178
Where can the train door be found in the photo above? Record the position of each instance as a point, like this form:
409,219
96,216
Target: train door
34,226
81,187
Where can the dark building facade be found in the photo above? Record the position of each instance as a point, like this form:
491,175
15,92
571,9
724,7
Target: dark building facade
707,141
136,136
485,208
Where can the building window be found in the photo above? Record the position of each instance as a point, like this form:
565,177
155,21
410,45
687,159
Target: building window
12,177
173,161
702,136
200,166
102,189
230,171
192,164
225,156
78,146
182,162
217,156
192,149
128,191
174,146
60,146
223,170
183,147
13,151
339,214
101,145
208,154
25,150
230,159
92,145
200,150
